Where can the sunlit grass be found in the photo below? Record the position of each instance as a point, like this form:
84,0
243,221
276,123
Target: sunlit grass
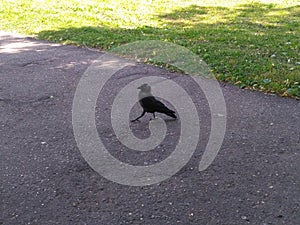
253,44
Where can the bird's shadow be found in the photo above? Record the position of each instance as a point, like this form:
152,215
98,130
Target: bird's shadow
167,120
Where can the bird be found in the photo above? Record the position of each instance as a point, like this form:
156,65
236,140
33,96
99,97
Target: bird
150,104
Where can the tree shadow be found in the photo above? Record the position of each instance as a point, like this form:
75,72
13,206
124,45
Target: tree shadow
194,24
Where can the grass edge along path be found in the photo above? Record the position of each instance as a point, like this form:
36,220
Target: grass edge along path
254,45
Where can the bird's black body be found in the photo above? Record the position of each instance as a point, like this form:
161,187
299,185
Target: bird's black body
151,105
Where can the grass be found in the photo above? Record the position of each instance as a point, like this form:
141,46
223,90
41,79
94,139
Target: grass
253,45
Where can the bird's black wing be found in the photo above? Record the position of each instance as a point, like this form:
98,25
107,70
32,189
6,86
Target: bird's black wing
151,104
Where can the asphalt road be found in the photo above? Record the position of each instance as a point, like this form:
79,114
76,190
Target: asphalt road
255,178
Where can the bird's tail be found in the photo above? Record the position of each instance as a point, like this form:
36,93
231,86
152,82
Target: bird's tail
171,113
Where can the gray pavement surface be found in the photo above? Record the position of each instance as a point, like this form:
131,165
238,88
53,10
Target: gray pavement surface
255,179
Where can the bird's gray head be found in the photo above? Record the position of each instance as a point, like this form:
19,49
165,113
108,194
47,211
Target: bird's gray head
145,88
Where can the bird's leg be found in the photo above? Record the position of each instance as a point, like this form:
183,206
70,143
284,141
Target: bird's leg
143,113
153,116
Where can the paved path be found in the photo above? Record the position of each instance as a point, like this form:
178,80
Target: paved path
255,179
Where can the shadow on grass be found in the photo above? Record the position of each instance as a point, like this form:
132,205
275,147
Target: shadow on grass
254,45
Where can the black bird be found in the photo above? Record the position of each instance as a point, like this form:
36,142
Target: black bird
151,104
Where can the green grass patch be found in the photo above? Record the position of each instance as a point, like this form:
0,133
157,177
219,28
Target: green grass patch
250,44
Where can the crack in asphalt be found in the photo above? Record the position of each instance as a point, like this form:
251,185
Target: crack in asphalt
14,101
